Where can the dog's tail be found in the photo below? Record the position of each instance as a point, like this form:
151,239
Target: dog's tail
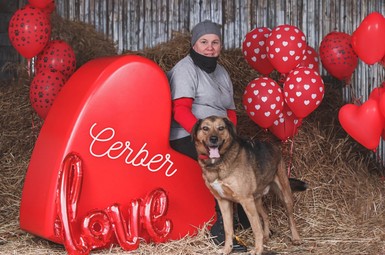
297,185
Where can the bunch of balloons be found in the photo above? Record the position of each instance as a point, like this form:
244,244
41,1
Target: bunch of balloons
340,53
281,109
29,32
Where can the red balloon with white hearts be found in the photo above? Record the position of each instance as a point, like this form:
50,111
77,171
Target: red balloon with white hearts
286,126
310,59
303,91
263,101
285,48
254,50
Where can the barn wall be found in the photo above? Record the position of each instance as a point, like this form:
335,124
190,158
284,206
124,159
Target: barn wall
134,25
137,24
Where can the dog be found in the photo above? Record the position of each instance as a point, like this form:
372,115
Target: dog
242,171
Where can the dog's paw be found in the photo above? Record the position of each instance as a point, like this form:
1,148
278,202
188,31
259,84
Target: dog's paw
255,252
225,250
296,241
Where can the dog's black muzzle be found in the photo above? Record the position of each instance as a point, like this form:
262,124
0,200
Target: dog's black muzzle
213,140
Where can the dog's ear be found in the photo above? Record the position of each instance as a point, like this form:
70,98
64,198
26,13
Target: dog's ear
195,129
230,126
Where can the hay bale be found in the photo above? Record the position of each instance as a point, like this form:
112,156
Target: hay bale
86,42
341,213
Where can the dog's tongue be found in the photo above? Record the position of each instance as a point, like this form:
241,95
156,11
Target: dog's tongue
214,152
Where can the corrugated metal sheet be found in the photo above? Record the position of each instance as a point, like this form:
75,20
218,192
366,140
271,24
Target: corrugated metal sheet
135,24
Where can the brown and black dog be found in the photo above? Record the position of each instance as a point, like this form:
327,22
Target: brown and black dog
242,171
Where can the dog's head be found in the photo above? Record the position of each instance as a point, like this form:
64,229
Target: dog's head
213,136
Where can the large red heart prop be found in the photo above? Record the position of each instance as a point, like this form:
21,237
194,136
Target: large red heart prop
114,114
363,123
369,37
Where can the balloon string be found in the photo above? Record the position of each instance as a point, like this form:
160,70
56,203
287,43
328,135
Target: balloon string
290,157
29,67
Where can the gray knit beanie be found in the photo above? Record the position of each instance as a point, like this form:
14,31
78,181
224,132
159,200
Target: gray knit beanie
204,28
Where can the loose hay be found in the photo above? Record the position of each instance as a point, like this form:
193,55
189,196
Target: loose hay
341,213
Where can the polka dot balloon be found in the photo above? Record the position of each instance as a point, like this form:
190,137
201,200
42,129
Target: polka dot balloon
285,48
29,31
44,89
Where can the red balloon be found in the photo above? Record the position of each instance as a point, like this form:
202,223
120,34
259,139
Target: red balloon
42,4
382,62
50,8
310,59
378,95
263,101
337,55
44,88
57,55
29,31
363,123
254,50
286,126
377,92
368,40
380,98
303,90
286,46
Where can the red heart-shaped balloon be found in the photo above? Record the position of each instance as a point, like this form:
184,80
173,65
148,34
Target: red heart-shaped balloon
369,37
114,114
363,123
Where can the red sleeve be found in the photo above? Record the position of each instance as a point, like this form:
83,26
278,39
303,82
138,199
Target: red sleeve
232,115
181,109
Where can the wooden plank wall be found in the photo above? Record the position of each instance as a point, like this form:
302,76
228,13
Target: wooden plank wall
137,24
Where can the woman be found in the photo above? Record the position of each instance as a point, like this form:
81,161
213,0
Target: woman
200,87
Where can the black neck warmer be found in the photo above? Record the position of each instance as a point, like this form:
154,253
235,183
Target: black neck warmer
207,64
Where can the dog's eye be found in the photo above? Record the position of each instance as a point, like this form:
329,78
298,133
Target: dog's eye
221,128
205,128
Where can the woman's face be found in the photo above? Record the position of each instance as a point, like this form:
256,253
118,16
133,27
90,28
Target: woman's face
208,45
